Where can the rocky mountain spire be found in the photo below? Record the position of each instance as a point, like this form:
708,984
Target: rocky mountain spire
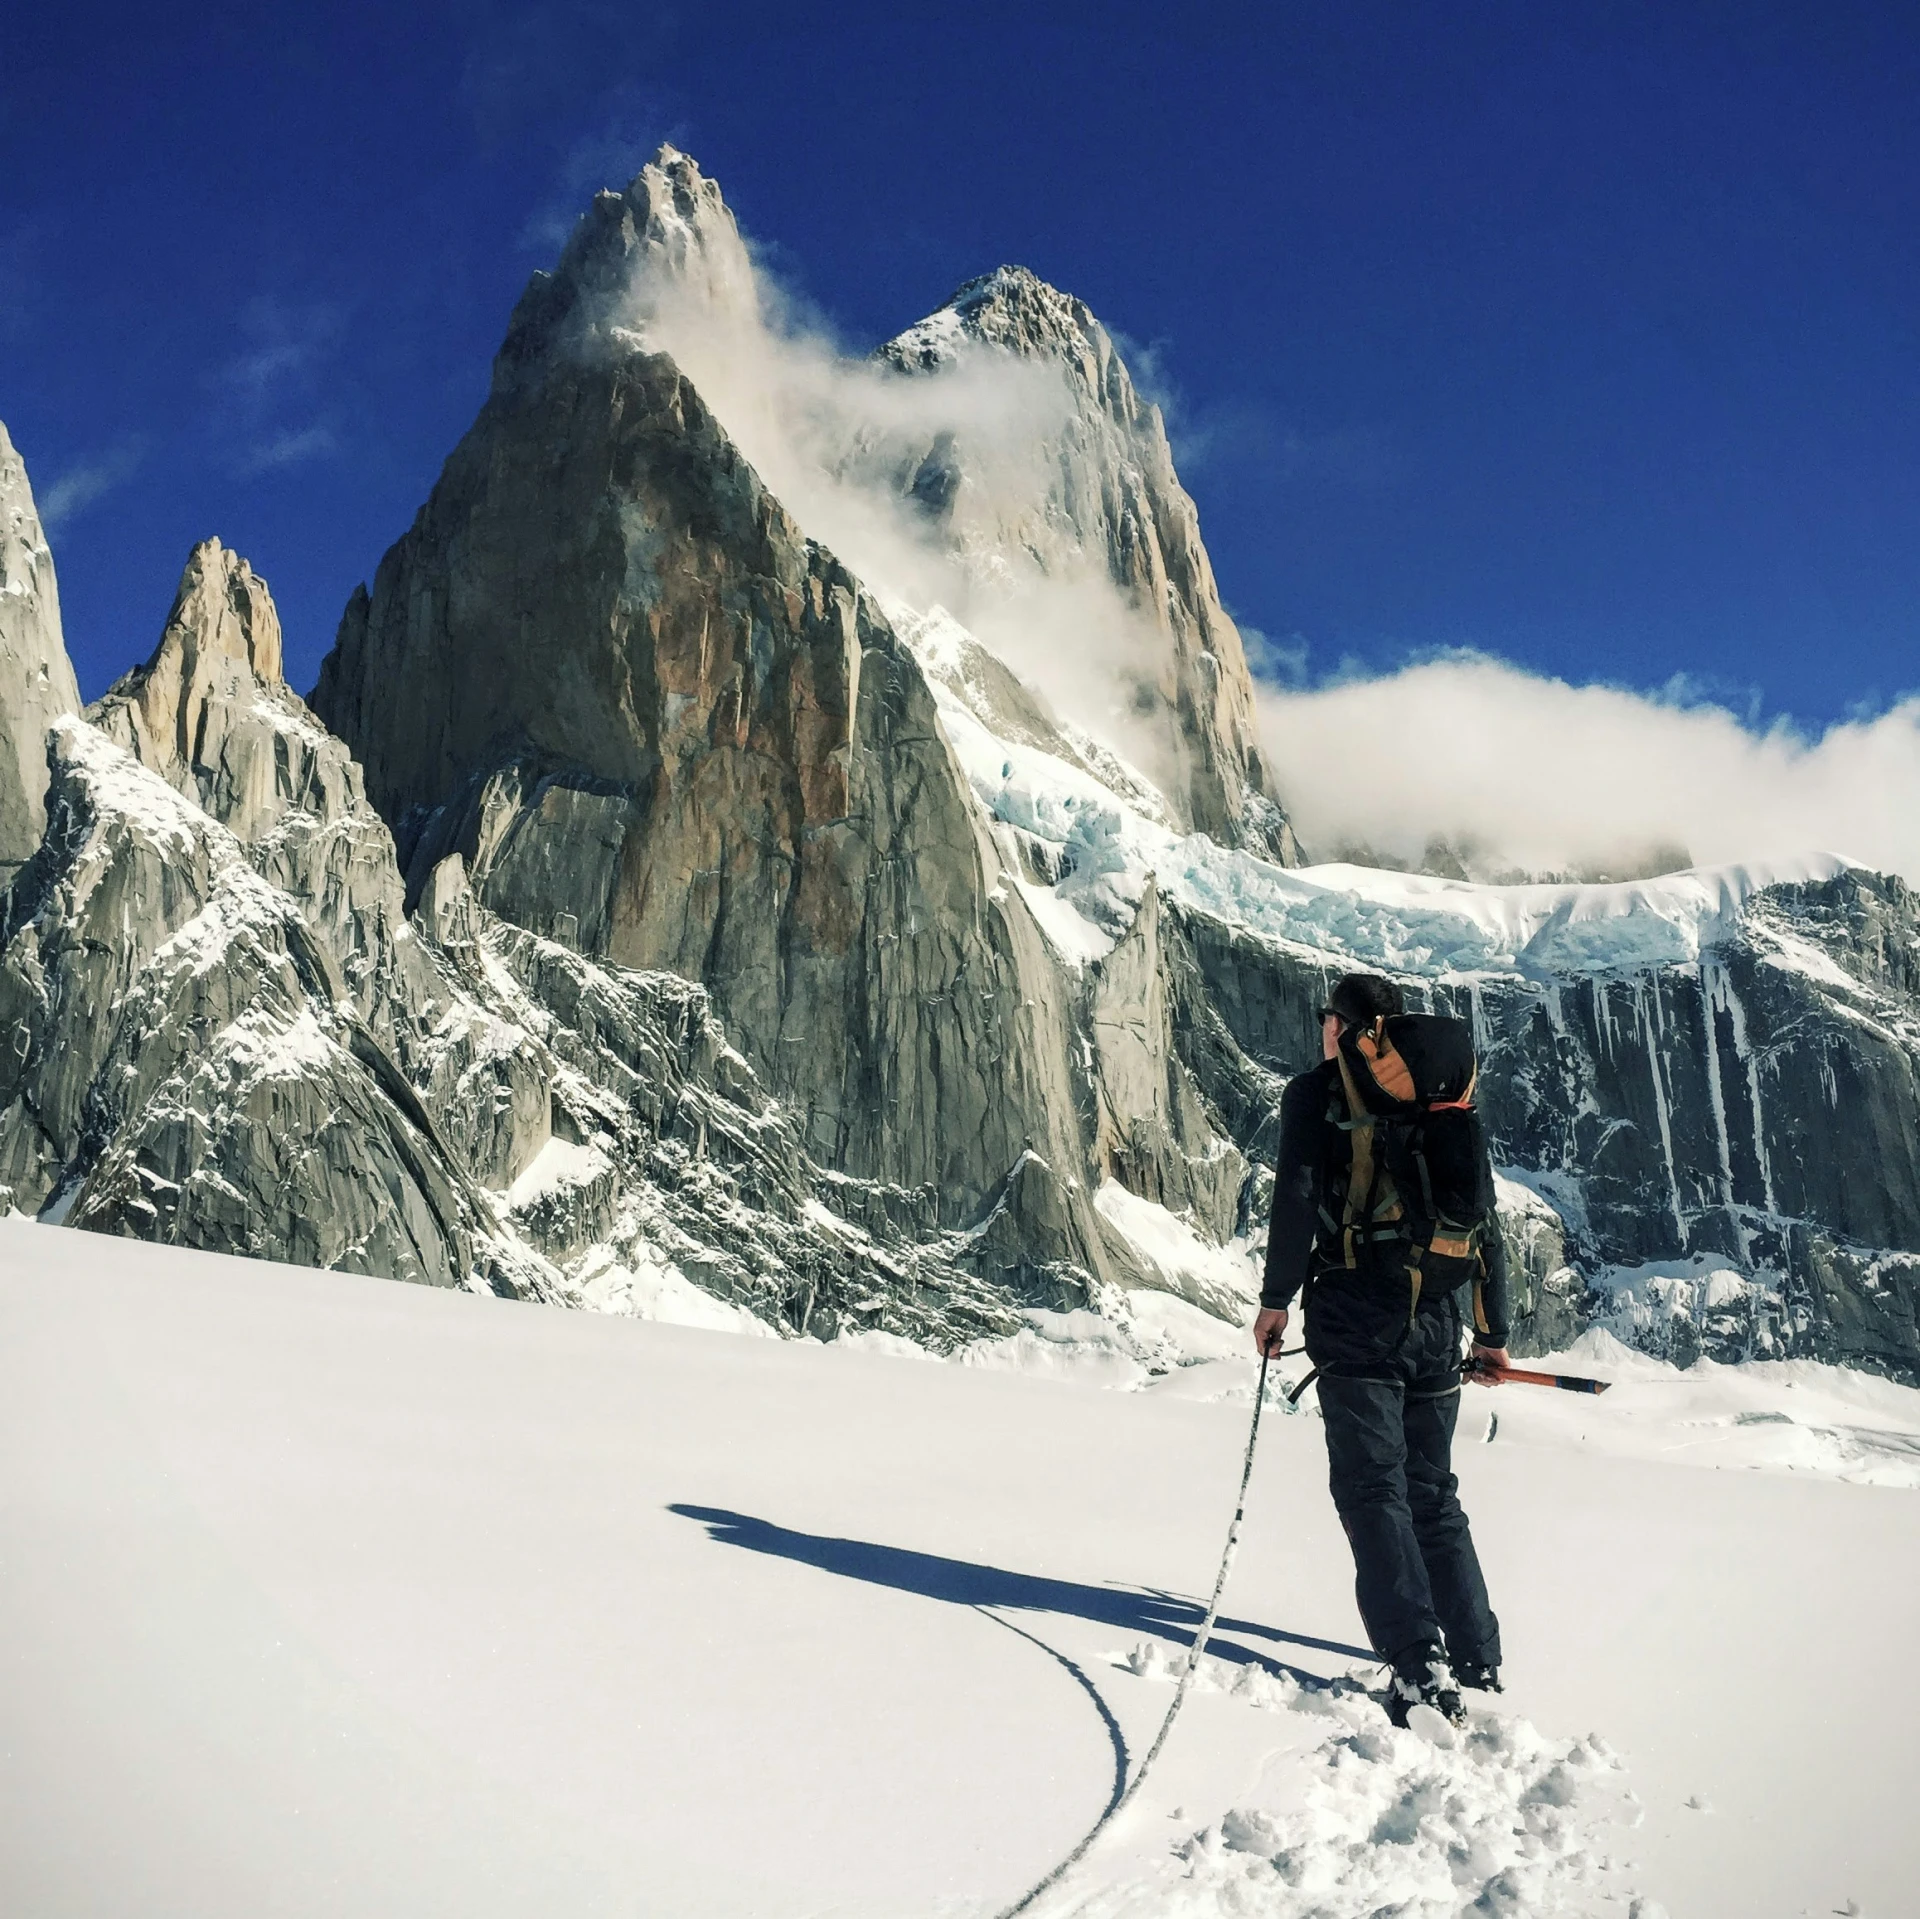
661,725
210,714
1114,503
36,677
669,234
222,629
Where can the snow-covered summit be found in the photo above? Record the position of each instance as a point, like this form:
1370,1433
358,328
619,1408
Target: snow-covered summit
679,210
668,235
1100,513
1010,307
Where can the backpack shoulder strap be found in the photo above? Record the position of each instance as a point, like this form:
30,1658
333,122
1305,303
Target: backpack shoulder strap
1359,1131
1372,1209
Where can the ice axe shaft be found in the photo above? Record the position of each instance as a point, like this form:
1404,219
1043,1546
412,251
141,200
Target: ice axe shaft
1520,1376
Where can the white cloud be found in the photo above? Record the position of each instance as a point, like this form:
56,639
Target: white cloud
268,392
80,486
288,449
1535,773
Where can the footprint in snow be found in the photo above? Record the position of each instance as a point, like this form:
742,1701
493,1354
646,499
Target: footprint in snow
1491,1818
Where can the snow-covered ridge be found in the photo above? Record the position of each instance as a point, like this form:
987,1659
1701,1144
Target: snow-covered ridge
1359,916
1440,926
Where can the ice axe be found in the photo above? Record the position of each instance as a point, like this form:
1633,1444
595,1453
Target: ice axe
1520,1376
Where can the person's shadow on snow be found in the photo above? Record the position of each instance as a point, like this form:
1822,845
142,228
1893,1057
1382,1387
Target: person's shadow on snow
961,1582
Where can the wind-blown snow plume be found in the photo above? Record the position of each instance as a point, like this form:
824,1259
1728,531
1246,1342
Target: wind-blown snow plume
1520,771
838,439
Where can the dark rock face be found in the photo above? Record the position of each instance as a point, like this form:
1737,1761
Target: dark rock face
1759,1109
36,677
1728,1095
659,724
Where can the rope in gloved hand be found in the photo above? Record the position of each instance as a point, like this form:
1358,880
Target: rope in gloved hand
1025,1902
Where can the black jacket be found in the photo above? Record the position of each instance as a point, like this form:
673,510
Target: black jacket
1309,1141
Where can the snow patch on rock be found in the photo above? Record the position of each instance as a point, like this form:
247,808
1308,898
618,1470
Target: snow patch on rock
559,1165
1221,1280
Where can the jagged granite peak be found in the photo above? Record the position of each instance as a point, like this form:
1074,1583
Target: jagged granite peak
210,714
660,725
669,229
185,1063
37,683
223,631
1013,307
1112,500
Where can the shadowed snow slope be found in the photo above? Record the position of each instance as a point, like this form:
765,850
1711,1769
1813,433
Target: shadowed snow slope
329,1597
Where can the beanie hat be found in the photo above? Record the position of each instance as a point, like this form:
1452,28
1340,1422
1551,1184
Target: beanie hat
1362,998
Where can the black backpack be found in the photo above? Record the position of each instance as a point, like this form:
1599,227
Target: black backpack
1416,1188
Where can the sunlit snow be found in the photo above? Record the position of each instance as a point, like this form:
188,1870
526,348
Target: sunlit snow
339,1599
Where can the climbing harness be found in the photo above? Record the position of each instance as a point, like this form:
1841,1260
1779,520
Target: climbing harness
1026,1901
1293,1398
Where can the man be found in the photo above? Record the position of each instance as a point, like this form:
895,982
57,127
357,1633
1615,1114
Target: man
1390,1369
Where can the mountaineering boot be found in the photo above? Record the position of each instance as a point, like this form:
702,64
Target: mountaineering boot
1422,1677
1473,1676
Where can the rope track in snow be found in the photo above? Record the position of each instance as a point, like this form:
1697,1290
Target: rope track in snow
1119,1804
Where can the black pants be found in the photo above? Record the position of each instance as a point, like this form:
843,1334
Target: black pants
1389,1446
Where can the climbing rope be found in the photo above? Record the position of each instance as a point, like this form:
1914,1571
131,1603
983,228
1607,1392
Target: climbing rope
1025,1902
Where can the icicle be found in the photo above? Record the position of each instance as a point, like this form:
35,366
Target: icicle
1710,983
1556,1017
1477,1014
1744,1051
1651,1031
1603,1028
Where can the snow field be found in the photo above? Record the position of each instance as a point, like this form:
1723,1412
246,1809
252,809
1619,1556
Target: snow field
323,1595
1783,1416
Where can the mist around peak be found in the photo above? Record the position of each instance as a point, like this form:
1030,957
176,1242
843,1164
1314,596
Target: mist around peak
914,482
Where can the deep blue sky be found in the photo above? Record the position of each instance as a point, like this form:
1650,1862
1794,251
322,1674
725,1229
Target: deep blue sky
1589,335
